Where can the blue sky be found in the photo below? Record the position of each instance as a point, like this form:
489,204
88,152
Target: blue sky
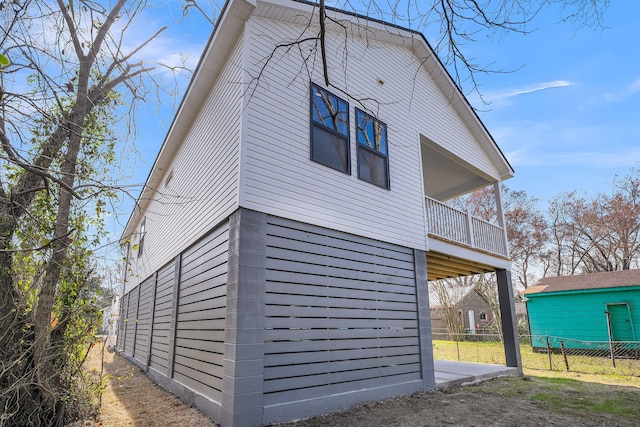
567,116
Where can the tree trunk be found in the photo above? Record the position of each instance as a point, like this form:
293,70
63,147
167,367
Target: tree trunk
44,348
8,293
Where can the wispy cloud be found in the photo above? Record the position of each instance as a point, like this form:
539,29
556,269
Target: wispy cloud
555,143
625,93
500,96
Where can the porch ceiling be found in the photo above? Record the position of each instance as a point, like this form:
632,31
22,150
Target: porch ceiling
446,177
442,266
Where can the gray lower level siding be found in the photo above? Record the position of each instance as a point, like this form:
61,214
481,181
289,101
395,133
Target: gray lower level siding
267,320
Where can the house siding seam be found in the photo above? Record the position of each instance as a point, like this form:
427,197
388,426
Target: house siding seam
199,197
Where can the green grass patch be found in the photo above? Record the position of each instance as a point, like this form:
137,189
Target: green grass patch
493,353
568,396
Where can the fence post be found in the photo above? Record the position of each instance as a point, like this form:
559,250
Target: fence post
564,355
549,354
458,345
611,348
613,353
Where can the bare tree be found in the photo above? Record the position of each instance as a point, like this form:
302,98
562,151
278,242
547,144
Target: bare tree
65,70
487,286
448,292
527,233
527,230
599,234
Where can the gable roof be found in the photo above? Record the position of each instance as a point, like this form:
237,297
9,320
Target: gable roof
455,294
608,279
230,25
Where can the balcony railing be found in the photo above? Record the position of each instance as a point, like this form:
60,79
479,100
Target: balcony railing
461,227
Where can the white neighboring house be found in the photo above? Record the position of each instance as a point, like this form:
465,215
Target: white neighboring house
279,256
110,318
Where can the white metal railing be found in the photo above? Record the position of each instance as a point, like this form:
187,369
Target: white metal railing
461,227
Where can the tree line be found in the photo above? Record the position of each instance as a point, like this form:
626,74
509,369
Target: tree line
575,234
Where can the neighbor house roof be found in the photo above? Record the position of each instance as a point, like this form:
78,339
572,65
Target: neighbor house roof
609,279
454,293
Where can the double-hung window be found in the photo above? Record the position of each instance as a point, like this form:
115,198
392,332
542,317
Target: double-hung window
373,154
329,130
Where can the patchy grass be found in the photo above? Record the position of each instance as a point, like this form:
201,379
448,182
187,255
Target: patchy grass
627,371
568,396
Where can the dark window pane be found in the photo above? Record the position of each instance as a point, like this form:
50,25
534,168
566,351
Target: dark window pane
364,126
372,167
329,149
370,132
371,136
329,110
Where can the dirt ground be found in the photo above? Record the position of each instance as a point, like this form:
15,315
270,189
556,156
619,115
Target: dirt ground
131,399
459,407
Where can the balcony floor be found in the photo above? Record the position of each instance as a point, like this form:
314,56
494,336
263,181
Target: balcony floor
453,374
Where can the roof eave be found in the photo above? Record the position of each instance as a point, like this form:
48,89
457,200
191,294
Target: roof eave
226,30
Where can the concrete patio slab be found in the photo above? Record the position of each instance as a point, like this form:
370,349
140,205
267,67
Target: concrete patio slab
453,374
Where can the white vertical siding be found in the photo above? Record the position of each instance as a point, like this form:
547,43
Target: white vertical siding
204,188
279,177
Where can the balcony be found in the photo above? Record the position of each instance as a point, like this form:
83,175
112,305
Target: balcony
456,226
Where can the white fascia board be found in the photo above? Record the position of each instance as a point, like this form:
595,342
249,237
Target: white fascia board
228,28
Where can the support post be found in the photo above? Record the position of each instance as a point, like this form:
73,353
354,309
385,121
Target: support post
123,322
424,320
500,213
174,315
242,394
471,241
509,321
151,321
135,328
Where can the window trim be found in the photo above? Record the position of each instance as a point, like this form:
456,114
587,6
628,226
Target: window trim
312,124
143,232
373,150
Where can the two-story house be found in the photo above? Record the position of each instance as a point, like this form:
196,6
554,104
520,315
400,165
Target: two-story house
279,255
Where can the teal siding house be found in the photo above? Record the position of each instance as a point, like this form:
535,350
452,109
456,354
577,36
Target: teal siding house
584,311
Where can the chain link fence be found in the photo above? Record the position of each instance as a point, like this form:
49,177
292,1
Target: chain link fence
543,352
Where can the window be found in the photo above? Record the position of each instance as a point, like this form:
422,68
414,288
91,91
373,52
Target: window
373,159
143,231
483,316
329,130
169,178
